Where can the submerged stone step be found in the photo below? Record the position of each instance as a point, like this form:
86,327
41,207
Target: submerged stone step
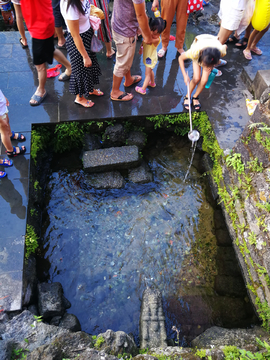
102,160
106,180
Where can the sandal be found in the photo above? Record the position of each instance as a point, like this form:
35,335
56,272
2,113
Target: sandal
2,174
242,43
88,104
152,84
14,153
222,63
233,39
161,53
197,106
6,162
186,106
247,54
140,90
97,92
19,137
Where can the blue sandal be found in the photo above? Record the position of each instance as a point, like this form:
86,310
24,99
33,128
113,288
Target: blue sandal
2,174
14,153
6,162
19,138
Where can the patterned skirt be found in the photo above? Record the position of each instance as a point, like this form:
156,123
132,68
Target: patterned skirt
83,79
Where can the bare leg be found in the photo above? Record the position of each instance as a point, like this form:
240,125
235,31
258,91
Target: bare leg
42,77
147,77
152,77
258,37
109,50
129,80
115,93
60,57
20,25
60,35
6,133
223,35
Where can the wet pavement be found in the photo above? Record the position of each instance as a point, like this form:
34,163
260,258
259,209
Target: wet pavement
224,103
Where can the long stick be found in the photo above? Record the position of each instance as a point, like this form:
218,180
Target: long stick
189,105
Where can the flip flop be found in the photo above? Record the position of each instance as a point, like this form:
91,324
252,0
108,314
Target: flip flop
121,97
247,54
233,39
6,162
38,99
256,51
2,174
23,46
19,138
136,79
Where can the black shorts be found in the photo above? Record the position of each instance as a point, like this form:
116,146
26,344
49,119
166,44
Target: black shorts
43,50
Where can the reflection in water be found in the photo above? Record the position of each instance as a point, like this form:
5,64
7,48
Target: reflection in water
105,247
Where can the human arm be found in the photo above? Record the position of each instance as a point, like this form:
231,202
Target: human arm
155,5
143,22
181,60
73,26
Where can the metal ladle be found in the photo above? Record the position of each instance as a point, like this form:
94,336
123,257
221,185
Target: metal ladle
193,135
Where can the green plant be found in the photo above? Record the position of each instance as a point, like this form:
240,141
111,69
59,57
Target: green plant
255,166
68,136
38,319
99,341
261,222
235,162
143,351
201,353
33,212
18,354
40,138
265,207
231,352
36,186
31,241
252,238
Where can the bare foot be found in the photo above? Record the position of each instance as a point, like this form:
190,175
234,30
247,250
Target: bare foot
96,92
84,102
181,51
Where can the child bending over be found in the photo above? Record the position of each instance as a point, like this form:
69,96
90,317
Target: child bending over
157,26
205,53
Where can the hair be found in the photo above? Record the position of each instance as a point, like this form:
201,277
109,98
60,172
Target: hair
77,4
157,24
209,56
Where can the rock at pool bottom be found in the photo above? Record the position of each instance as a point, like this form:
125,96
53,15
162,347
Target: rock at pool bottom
102,160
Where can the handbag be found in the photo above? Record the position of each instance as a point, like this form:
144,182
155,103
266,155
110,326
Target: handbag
194,5
96,44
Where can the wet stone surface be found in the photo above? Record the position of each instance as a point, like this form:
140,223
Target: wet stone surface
107,246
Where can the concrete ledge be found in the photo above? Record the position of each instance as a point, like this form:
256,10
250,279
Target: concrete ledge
259,84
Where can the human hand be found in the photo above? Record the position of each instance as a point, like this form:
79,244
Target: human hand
155,5
139,31
7,102
87,62
186,79
147,40
141,50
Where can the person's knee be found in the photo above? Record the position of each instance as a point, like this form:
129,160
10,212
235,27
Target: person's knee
196,79
41,67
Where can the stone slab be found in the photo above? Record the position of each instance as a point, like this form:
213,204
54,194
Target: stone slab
106,180
112,158
261,82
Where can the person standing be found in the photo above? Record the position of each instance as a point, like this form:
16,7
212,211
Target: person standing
39,20
127,16
169,8
85,67
231,13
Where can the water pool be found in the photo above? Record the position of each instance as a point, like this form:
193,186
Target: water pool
106,246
